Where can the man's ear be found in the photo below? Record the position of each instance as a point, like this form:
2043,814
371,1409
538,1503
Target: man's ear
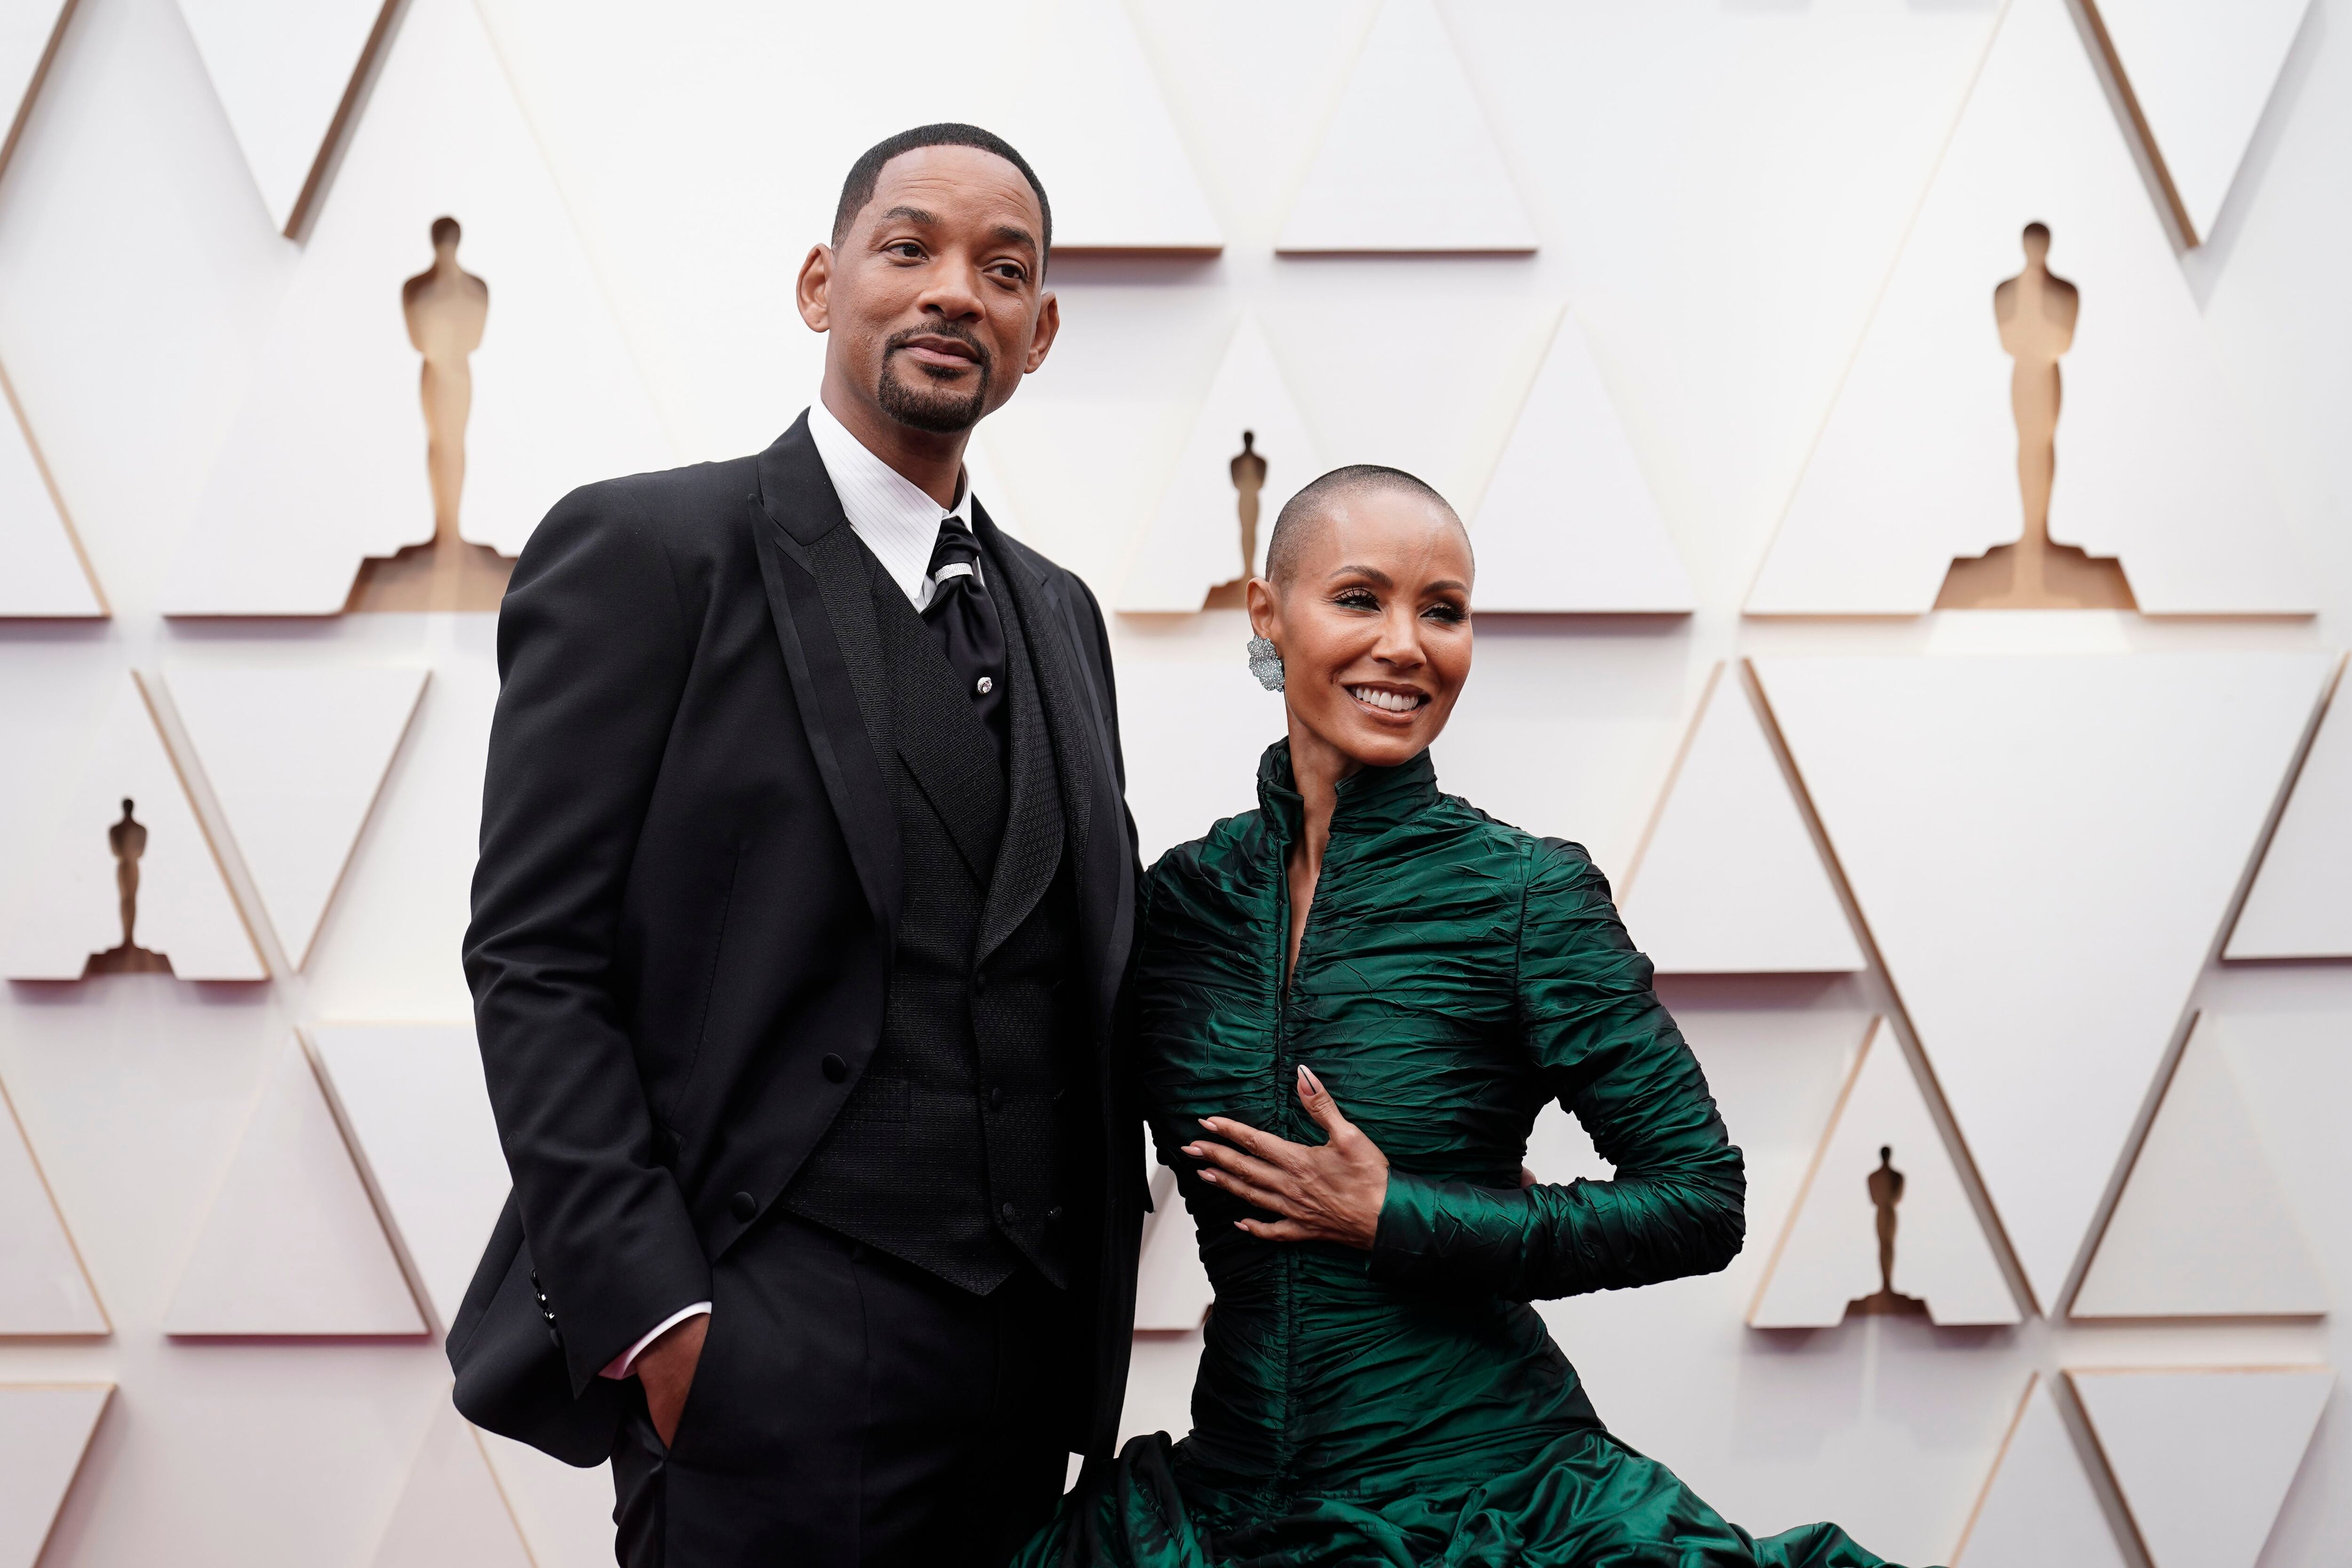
813,290
1041,339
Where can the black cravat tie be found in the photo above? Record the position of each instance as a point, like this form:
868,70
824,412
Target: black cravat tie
963,623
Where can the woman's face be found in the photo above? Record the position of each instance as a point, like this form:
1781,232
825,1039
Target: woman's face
1373,626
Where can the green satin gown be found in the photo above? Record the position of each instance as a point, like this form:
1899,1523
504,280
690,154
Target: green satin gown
1408,1407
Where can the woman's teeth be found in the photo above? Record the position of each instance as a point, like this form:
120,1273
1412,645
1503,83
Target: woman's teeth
1387,701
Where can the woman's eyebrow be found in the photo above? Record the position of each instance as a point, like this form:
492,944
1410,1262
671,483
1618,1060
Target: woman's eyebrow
1371,573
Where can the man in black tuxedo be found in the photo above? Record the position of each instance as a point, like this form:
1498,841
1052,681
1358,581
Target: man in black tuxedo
805,891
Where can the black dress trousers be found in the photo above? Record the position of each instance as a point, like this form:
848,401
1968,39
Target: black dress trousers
850,1411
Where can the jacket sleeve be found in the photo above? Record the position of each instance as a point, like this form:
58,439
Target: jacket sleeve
594,646
1607,1050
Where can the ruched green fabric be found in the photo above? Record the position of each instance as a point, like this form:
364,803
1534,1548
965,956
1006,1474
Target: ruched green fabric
1408,1407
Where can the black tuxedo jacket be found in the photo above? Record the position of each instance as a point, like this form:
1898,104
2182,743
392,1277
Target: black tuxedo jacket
684,916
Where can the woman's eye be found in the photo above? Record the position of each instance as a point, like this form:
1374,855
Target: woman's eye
1452,614
1355,599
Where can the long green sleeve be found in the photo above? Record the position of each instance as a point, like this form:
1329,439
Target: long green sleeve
1607,1050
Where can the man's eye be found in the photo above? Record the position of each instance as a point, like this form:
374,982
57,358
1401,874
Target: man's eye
907,248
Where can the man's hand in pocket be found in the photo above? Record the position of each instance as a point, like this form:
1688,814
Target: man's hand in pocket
666,1369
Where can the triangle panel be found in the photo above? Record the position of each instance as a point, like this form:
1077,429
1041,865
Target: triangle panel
2043,891
2296,907
2204,1456
325,460
1172,1292
45,1430
44,1289
295,755
2201,76
70,910
281,68
413,1097
1730,882
1091,120
2203,1228
1408,161
1568,524
1193,543
986,477
27,29
1916,464
2037,1509
292,1246
1828,1254
565,1512
451,1512
41,569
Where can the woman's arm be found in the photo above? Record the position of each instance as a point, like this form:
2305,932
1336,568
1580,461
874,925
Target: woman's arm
1609,1052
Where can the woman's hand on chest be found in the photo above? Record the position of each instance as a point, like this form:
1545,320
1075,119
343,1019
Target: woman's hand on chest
1328,1192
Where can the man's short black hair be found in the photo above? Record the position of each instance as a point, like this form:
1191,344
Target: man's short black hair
866,173
1316,496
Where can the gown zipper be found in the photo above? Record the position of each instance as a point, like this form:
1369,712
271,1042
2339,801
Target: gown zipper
1286,1101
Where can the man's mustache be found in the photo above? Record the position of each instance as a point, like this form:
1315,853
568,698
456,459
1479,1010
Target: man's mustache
955,329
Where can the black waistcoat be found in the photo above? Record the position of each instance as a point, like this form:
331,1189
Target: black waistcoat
951,1152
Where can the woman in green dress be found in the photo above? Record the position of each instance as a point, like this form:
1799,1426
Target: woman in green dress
1348,1008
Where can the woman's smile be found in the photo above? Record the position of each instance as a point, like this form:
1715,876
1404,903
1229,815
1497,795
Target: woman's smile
1389,701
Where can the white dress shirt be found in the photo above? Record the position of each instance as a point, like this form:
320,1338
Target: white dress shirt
896,519
900,524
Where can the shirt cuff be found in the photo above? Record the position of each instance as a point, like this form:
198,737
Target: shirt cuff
622,1365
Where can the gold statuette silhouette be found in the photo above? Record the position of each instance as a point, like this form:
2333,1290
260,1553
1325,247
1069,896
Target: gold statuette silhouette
1248,470
1885,1192
126,839
2035,313
448,309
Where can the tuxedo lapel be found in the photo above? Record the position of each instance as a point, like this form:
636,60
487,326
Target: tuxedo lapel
1078,731
815,578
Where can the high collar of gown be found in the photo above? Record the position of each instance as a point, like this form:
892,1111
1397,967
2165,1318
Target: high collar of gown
1369,799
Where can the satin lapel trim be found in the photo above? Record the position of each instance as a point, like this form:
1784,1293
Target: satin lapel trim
1078,718
939,737
1031,851
795,517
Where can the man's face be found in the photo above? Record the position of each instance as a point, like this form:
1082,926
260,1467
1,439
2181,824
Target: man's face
935,299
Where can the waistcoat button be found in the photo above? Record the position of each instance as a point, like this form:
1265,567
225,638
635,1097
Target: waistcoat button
835,1069
997,1098
1006,1213
743,1205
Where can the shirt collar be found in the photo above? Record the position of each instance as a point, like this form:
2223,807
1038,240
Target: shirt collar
897,520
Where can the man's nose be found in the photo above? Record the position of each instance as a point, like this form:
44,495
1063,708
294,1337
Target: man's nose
954,291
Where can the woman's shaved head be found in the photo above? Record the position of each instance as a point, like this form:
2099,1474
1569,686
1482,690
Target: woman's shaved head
1305,512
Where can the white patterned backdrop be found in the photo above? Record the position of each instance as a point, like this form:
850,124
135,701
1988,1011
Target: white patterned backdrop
1687,304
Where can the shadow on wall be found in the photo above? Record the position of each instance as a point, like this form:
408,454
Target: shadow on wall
448,309
2036,312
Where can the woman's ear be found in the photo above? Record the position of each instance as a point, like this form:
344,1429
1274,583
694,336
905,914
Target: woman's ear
1266,619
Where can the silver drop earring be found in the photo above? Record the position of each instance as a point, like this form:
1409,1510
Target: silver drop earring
1265,663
